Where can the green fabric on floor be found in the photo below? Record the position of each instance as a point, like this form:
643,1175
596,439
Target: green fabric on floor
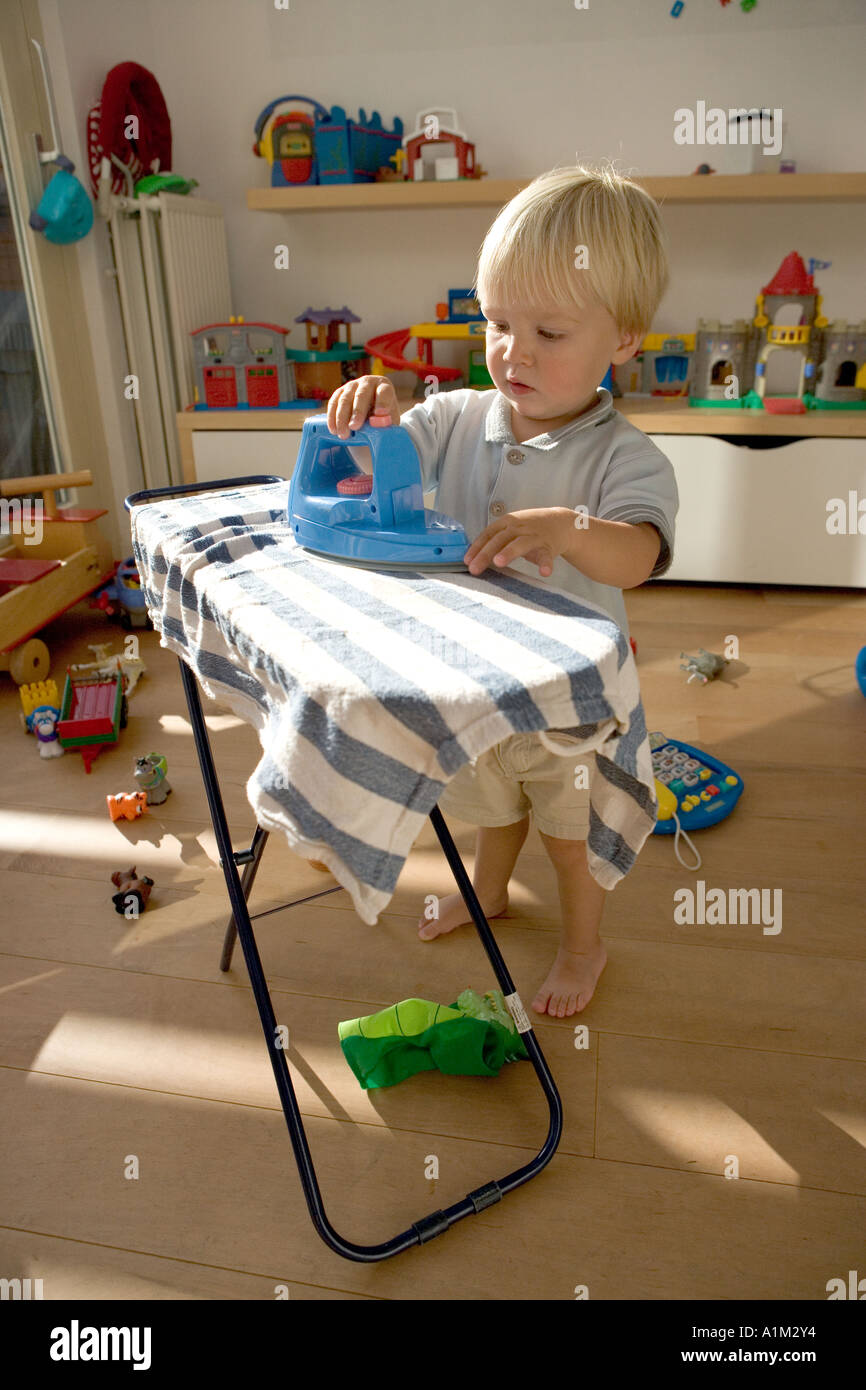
473,1037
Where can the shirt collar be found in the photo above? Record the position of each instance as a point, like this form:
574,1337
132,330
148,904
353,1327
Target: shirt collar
498,426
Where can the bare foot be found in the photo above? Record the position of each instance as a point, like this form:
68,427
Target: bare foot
571,982
453,912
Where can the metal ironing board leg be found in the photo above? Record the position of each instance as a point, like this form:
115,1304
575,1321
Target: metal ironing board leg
436,1222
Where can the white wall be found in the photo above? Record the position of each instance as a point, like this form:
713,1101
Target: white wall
535,85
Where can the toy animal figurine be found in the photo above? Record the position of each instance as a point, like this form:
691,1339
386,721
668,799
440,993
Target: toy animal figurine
150,775
43,721
131,887
126,805
704,667
40,715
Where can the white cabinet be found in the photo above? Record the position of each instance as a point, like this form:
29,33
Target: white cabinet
759,516
241,453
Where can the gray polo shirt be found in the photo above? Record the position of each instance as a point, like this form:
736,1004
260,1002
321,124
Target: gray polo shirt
469,456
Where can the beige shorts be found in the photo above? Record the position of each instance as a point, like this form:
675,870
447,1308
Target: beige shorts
521,775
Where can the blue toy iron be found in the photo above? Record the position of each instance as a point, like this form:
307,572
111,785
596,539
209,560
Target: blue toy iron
378,520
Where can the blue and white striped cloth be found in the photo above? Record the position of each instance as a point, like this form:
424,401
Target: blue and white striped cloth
370,690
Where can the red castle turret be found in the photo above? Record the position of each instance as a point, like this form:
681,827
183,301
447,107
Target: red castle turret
792,277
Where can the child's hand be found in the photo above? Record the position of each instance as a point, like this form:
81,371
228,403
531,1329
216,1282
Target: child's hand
349,407
539,535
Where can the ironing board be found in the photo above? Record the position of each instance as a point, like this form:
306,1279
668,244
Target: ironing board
211,558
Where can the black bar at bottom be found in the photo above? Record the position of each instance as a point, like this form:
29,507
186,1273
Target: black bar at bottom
437,1222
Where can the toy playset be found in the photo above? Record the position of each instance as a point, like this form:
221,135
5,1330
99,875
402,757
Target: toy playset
327,362
663,367
790,358
92,713
43,574
437,149
242,366
460,319
371,516
327,147
247,366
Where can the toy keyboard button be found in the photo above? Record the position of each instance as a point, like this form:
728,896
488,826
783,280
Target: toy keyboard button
705,796
663,777
731,781
691,765
690,780
713,805
677,785
704,774
713,789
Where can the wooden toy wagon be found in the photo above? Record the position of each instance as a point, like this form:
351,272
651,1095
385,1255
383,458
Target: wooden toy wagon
92,714
50,558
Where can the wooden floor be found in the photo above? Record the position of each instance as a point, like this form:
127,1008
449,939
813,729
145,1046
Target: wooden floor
709,1046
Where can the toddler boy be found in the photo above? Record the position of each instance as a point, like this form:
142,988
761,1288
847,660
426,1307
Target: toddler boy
550,480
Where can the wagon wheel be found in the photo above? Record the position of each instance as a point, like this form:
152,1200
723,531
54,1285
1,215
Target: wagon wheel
30,662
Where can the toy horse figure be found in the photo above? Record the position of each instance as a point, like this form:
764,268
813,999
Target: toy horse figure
150,775
704,667
133,890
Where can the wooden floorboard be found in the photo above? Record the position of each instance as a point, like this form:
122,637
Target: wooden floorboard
708,1048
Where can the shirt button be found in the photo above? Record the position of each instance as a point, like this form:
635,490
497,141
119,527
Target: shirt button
514,456
497,508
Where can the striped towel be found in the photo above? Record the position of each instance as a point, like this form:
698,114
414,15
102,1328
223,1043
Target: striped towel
370,690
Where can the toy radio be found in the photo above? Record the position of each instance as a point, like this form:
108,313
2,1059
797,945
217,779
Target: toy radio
693,789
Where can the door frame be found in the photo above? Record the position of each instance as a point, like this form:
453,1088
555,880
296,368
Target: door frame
52,273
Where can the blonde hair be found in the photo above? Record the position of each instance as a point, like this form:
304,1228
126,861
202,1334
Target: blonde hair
530,250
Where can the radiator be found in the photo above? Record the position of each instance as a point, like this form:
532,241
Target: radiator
171,263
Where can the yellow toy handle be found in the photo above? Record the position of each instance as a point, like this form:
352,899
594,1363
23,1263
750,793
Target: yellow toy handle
666,800
668,805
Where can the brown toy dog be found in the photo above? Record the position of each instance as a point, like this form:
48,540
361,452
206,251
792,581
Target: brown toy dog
131,886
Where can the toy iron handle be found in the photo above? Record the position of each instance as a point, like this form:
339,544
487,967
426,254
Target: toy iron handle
154,494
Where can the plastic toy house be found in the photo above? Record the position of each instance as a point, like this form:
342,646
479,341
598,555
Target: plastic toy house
437,149
662,367
666,361
788,359
325,147
327,363
243,366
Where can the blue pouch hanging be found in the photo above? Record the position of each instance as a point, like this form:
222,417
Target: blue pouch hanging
65,211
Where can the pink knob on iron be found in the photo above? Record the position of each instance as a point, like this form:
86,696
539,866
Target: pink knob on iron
358,485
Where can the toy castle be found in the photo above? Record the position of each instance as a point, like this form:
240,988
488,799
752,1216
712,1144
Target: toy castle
790,358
